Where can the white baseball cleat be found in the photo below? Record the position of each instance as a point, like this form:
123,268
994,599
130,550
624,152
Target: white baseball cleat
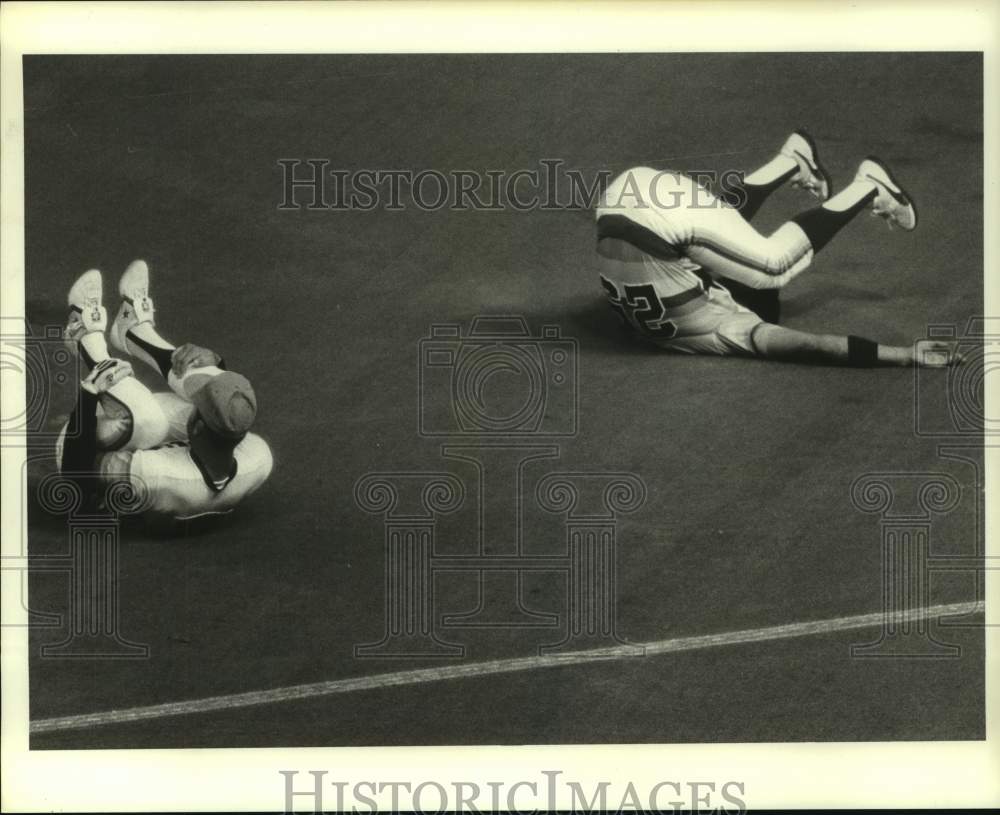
891,201
811,176
106,374
136,307
86,314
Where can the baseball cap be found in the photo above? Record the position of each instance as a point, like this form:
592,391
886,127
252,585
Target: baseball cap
228,406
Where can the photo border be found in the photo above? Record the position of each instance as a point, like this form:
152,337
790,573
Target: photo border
906,774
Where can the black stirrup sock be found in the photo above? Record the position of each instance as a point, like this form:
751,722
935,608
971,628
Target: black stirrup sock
750,197
821,223
162,356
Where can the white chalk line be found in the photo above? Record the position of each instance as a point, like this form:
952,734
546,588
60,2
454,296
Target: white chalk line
492,667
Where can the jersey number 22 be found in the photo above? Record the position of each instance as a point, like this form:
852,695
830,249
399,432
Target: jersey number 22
638,305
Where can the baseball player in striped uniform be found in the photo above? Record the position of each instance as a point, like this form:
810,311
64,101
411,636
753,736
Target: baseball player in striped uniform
188,451
680,264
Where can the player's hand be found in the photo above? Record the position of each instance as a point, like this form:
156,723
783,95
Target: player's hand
938,354
190,355
106,374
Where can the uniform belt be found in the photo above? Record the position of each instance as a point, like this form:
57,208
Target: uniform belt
684,303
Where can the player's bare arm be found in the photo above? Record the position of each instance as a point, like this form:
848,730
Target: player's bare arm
190,355
778,342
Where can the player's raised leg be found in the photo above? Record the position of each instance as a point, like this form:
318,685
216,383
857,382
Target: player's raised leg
873,184
88,319
134,332
796,162
80,443
134,328
725,245
128,415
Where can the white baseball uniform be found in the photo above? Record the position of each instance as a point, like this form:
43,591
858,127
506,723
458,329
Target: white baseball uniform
145,435
663,239
170,481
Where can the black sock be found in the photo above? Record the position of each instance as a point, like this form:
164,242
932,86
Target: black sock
821,223
79,458
754,195
161,356
80,445
765,303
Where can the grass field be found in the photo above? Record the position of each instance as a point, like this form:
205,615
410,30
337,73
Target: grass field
748,522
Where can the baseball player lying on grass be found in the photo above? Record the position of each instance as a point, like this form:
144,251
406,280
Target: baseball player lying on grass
670,251
187,452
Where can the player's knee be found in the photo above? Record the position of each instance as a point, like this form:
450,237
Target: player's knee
149,429
60,442
114,428
778,267
783,265
267,462
116,466
259,458
143,422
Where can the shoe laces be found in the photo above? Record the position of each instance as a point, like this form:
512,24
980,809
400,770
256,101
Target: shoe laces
93,305
74,327
142,302
884,214
140,305
810,185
